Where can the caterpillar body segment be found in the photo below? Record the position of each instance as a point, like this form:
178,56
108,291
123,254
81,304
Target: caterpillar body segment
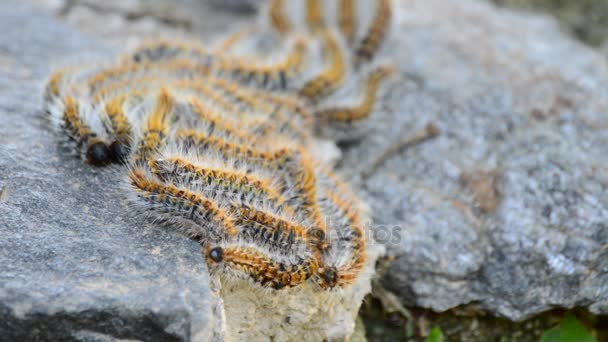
365,108
157,127
349,246
278,231
332,75
218,183
315,16
347,19
120,127
244,260
377,32
349,121
95,149
279,19
206,216
274,76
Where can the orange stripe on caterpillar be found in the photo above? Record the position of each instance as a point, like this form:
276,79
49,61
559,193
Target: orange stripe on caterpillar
267,227
314,16
96,151
365,108
260,267
347,19
278,19
171,200
229,42
156,127
376,34
273,76
332,76
222,183
120,126
216,120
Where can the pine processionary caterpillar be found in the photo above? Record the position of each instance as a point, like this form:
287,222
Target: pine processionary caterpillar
96,151
120,126
278,230
365,108
376,33
278,20
219,141
347,273
314,16
157,126
177,202
260,267
275,76
220,183
347,19
332,76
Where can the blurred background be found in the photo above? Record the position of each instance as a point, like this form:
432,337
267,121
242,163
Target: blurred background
115,20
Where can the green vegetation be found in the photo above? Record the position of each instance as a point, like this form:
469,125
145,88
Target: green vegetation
568,330
435,335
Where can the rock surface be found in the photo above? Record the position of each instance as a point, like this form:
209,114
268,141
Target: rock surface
508,207
73,264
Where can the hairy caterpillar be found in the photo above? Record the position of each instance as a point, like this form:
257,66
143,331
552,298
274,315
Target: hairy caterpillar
376,34
216,145
332,76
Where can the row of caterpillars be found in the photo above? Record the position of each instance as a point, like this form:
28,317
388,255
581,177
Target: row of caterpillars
216,139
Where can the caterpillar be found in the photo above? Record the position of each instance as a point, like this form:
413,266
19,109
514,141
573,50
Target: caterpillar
216,145
121,128
376,34
260,267
156,128
219,183
347,19
332,76
278,19
314,16
176,202
273,76
96,150
364,109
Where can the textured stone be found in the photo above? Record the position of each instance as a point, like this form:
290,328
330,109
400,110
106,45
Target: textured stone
74,265
507,207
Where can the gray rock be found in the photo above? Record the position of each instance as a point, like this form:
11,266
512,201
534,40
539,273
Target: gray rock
508,207
74,265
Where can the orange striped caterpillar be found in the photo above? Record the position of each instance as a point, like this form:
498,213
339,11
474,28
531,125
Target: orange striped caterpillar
351,240
314,16
156,128
376,34
346,122
95,149
217,182
216,144
254,263
278,19
120,127
171,201
273,76
332,76
364,109
347,19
